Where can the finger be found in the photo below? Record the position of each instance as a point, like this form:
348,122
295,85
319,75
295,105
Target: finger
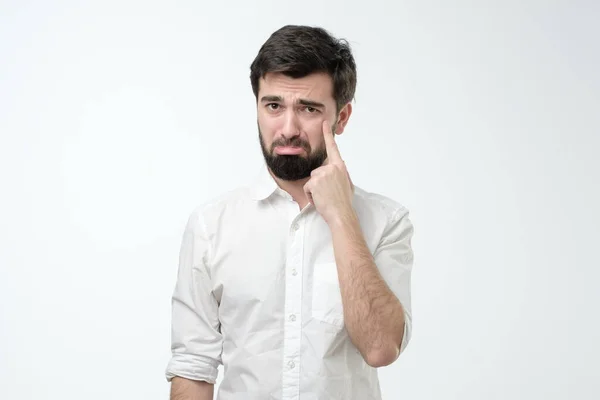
333,152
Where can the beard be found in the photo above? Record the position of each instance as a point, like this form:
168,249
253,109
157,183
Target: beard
292,167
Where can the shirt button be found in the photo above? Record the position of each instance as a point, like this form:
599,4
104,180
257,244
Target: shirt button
292,317
291,365
294,272
295,227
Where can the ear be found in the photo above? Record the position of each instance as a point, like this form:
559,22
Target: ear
343,118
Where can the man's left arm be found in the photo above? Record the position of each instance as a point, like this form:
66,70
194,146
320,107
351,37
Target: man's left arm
375,287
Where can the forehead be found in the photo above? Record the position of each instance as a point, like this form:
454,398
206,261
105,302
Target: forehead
316,86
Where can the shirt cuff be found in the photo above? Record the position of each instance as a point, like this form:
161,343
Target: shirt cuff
197,368
407,331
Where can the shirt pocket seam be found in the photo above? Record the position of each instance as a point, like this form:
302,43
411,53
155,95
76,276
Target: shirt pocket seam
326,296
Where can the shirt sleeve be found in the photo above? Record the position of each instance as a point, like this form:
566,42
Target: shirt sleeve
394,258
196,340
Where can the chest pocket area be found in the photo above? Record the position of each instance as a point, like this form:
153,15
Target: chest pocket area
326,296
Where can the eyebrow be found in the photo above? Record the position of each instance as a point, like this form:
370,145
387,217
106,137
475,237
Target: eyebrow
304,102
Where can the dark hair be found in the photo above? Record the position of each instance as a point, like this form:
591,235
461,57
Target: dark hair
298,51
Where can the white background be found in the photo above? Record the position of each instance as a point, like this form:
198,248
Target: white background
118,117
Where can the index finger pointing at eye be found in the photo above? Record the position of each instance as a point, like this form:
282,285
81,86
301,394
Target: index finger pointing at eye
333,152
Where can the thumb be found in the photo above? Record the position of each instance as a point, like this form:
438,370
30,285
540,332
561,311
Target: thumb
307,191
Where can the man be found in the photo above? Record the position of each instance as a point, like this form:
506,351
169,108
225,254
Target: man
299,284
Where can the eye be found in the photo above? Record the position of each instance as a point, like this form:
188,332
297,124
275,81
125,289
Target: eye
311,110
273,106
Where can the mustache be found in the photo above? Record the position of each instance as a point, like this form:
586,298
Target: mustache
294,142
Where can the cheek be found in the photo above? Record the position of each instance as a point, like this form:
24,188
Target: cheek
268,124
266,132
315,136
317,145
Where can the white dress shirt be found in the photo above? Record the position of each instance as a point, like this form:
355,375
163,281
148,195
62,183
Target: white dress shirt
257,290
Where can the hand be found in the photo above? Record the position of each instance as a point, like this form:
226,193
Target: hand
330,188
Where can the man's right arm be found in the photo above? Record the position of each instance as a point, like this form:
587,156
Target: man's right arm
186,389
196,340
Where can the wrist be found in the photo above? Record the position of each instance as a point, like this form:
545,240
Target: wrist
343,219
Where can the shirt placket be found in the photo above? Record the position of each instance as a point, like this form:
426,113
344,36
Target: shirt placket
293,309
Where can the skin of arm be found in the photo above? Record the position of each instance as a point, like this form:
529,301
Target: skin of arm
187,389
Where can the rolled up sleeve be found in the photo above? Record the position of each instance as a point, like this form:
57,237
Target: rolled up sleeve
394,258
196,340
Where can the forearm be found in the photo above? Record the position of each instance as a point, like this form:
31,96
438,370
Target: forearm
373,315
186,389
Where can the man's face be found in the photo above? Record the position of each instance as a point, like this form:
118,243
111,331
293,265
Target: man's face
290,117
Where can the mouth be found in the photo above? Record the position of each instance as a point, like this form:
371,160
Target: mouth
288,150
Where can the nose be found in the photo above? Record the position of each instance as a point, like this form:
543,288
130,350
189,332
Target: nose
291,124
